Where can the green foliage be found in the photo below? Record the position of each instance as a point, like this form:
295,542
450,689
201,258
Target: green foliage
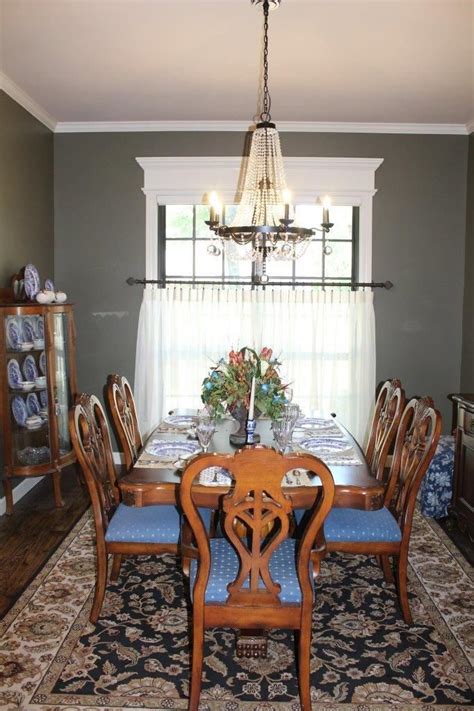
228,384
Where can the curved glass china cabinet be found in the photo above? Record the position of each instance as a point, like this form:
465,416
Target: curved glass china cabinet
38,385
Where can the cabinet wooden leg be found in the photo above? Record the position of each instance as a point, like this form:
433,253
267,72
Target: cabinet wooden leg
8,489
58,499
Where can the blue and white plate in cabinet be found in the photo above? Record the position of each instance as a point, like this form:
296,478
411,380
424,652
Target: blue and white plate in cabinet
32,404
323,445
170,451
30,371
42,362
181,422
14,374
40,327
13,335
49,285
28,328
32,281
19,410
43,396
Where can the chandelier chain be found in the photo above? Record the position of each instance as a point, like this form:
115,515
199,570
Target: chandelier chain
267,102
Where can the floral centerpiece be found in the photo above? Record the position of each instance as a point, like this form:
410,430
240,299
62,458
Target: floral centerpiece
227,387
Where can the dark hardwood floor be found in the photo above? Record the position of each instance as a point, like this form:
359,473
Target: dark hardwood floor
33,532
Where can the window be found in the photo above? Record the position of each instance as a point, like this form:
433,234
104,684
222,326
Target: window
184,238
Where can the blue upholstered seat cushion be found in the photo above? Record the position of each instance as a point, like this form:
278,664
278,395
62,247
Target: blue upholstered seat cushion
148,524
354,525
225,566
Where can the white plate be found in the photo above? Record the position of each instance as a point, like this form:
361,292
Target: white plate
170,451
324,445
180,422
315,423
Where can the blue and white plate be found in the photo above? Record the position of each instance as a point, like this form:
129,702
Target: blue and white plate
14,373
32,404
43,395
49,285
170,451
42,362
13,335
315,423
181,422
40,327
28,328
30,371
324,445
19,410
32,281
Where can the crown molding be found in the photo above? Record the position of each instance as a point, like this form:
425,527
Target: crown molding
241,126
470,126
21,97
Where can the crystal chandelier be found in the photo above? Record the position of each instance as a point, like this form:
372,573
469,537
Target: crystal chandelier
262,228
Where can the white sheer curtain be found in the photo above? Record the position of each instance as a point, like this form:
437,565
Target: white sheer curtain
324,339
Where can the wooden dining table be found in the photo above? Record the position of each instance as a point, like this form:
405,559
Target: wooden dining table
356,487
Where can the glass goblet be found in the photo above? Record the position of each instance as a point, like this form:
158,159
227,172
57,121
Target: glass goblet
204,431
282,432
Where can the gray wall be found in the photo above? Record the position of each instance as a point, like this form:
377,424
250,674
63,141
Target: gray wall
419,236
26,192
467,370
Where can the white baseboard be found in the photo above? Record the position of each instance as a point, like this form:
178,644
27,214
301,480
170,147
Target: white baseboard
19,491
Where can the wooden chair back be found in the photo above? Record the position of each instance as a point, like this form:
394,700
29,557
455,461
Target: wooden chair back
417,438
91,441
123,411
388,411
257,502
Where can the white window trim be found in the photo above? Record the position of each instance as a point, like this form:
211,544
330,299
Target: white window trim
185,181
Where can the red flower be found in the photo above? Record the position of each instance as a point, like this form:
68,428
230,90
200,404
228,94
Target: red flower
266,353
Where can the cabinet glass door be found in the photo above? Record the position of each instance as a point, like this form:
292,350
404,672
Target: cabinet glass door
28,400
63,395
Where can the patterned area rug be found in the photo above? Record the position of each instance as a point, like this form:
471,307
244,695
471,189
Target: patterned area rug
364,656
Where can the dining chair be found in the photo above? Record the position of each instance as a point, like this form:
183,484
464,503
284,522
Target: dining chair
262,580
122,408
120,530
386,532
386,418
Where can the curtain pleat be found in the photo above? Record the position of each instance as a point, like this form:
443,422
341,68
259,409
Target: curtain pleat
324,339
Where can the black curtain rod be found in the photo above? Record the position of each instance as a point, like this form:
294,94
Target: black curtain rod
131,281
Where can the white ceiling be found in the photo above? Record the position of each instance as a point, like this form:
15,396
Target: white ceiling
158,60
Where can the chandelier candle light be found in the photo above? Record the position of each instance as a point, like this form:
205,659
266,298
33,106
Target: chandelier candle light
262,228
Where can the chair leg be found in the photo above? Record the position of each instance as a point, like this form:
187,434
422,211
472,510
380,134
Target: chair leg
385,564
402,587
116,563
100,583
304,654
196,665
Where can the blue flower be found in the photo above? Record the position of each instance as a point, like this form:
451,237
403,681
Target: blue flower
214,375
278,398
264,387
208,385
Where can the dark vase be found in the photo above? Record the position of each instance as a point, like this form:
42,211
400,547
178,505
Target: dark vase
240,413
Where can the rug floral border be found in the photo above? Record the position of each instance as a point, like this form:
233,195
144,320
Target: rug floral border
48,655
